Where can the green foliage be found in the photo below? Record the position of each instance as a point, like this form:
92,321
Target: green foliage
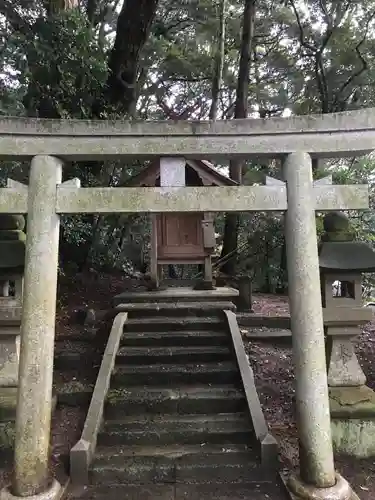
311,59
66,68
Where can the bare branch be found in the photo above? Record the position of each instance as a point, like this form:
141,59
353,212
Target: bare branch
340,15
304,43
364,64
327,15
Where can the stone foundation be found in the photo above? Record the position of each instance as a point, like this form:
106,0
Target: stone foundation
353,420
9,355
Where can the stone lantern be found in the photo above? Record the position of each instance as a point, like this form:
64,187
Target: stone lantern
342,261
12,257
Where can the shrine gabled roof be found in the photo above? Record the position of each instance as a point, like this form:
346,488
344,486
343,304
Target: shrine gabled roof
346,256
203,168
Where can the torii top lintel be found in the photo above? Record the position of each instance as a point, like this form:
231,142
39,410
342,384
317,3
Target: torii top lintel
332,135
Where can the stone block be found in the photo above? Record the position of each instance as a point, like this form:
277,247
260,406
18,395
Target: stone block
244,300
8,404
9,356
8,407
343,367
353,420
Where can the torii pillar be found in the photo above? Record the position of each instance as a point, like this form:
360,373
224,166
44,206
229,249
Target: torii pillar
317,479
34,399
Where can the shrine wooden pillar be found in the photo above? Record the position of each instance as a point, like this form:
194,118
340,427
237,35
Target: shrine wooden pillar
172,175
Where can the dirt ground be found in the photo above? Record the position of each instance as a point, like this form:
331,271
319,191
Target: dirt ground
272,365
273,370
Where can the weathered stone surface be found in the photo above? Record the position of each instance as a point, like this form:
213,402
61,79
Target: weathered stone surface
8,403
344,368
74,393
169,309
352,402
341,490
12,236
176,422
8,406
266,442
37,331
313,417
354,437
244,301
12,253
188,354
202,199
82,453
52,492
198,399
183,294
174,374
178,429
337,223
230,491
177,323
259,321
327,135
189,464
150,491
11,222
154,200
14,200
179,338
7,435
9,358
352,256
353,420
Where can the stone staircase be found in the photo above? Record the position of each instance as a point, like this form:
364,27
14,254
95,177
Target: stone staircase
176,420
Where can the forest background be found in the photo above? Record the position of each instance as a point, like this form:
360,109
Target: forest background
187,60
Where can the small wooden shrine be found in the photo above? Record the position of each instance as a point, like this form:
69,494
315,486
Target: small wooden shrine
179,238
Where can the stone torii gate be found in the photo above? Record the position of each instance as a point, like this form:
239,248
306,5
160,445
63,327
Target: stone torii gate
50,143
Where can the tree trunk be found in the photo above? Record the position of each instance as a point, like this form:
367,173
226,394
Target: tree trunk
133,28
241,111
217,80
56,6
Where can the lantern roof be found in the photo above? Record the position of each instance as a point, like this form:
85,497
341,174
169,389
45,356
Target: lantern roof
346,256
338,250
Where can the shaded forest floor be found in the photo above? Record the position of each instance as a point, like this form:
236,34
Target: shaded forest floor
273,369
271,362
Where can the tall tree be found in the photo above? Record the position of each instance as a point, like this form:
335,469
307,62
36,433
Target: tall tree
133,29
240,111
217,79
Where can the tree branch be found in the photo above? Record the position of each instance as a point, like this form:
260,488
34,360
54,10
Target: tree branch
364,64
327,16
304,43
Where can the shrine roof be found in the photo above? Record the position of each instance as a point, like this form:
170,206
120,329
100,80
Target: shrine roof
205,169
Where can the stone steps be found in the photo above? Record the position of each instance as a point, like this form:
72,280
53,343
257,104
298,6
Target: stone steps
166,324
180,295
176,422
177,309
176,429
175,338
196,464
215,373
75,355
218,490
182,399
173,355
